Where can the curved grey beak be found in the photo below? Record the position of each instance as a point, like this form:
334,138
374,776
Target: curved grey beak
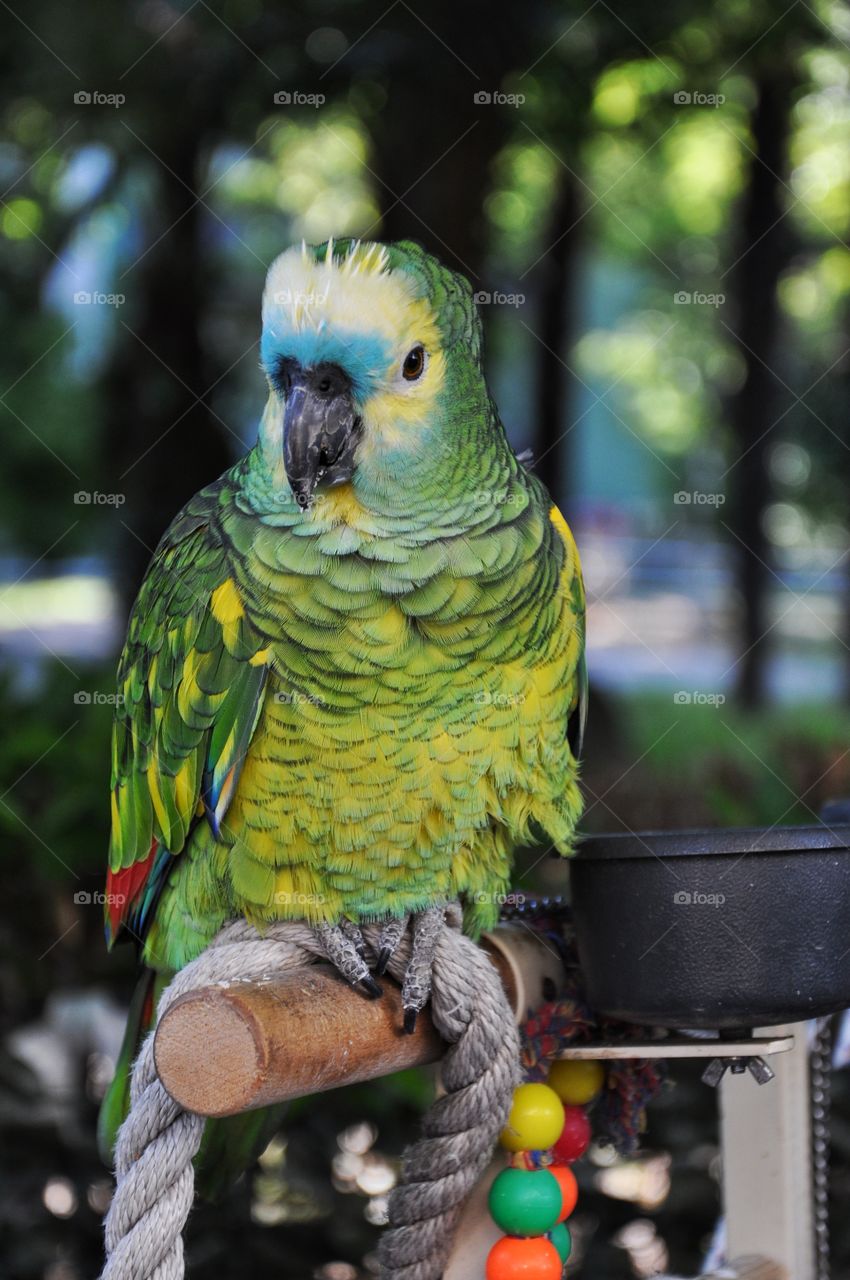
321,429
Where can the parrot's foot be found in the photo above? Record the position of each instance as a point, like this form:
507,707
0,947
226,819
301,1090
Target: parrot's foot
416,987
344,946
354,936
391,935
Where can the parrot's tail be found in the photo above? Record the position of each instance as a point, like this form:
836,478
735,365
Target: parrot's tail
116,1102
229,1145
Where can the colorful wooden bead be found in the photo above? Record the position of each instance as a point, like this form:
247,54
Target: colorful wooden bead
527,1203
576,1082
562,1240
536,1119
568,1188
575,1136
514,1259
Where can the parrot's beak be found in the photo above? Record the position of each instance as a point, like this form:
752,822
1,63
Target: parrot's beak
321,430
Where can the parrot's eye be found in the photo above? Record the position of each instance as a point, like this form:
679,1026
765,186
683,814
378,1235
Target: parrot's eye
414,364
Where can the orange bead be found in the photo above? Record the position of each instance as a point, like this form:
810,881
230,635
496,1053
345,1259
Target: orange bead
515,1259
569,1188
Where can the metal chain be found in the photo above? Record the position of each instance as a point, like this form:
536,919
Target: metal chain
821,1080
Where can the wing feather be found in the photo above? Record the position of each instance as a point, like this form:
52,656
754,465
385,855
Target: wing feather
191,682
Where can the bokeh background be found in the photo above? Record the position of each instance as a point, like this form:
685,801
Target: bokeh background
652,202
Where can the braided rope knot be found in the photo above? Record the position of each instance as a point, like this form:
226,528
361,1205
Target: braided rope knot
159,1140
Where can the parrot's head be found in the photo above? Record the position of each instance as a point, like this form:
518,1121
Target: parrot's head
373,357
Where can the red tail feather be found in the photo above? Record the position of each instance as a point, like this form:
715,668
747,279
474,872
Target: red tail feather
123,886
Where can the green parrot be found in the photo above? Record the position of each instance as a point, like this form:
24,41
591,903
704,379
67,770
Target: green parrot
349,672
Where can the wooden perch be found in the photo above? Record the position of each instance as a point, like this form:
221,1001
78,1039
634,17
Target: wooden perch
225,1049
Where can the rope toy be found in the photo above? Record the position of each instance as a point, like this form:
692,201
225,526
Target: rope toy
631,1083
159,1140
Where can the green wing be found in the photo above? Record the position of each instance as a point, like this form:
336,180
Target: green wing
190,689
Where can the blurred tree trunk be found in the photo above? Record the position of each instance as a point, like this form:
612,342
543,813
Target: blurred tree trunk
753,411
842,475
163,445
434,145
557,324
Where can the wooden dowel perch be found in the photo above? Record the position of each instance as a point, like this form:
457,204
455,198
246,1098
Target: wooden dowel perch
225,1049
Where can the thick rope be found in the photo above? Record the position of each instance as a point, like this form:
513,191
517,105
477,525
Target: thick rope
159,1140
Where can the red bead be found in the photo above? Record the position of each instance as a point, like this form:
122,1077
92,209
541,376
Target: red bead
569,1188
515,1259
575,1137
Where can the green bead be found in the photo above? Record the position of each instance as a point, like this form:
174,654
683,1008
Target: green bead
562,1240
525,1202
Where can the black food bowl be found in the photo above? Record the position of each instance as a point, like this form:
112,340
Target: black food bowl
715,929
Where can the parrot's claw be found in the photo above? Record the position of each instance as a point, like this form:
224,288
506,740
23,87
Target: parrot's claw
352,932
391,935
416,987
341,949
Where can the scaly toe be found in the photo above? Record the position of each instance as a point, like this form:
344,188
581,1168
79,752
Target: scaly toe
355,937
416,988
342,952
391,935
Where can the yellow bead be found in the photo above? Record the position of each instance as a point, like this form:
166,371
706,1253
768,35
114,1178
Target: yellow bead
576,1082
536,1119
